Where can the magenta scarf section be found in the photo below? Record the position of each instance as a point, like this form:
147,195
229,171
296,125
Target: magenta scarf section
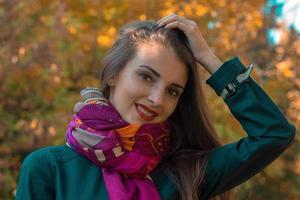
126,153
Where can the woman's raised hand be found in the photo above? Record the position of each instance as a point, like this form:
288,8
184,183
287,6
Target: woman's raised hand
199,47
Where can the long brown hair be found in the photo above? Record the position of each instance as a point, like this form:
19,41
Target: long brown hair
191,137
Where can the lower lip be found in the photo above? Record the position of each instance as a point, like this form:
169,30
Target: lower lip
142,115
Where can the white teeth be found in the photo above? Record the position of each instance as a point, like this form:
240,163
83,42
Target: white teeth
145,111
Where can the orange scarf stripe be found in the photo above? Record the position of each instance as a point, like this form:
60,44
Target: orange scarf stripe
127,144
126,133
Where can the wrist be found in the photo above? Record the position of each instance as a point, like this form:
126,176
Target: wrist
209,61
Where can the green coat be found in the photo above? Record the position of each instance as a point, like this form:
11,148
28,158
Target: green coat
60,173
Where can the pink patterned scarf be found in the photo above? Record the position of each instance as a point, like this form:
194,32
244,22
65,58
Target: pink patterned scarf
126,153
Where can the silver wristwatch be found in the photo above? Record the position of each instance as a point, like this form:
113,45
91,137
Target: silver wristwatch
231,87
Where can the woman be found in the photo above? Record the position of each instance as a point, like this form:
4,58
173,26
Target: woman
148,134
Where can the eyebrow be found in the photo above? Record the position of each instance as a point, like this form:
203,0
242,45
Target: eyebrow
158,75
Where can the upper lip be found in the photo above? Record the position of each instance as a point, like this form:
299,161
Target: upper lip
148,109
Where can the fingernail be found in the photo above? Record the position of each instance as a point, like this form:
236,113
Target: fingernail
157,26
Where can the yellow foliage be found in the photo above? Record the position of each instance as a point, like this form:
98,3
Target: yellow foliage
188,10
296,105
52,130
232,20
104,41
109,13
225,39
112,31
84,26
22,51
86,47
64,20
194,8
297,166
221,3
288,73
43,18
168,11
201,10
170,7
181,13
169,3
21,123
33,124
14,59
284,67
143,17
258,22
56,79
92,12
53,67
277,167
72,29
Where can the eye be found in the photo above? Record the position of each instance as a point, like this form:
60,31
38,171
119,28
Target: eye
145,77
173,92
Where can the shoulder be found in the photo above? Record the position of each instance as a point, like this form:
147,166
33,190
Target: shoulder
47,156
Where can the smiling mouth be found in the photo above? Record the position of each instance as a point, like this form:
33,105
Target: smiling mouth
145,113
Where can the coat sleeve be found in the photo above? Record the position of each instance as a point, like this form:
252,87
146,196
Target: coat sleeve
35,179
268,133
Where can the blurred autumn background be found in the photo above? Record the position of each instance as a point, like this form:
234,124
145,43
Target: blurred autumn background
50,49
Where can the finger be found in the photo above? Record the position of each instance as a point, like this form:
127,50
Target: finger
173,19
187,29
169,17
182,26
177,24
162,19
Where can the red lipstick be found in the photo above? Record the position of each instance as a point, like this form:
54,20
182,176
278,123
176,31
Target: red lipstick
145,112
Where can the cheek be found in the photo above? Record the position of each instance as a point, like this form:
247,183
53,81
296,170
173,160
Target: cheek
173,106
131,89
169,109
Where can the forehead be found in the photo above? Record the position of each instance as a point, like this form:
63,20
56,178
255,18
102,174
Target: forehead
161,58
157,53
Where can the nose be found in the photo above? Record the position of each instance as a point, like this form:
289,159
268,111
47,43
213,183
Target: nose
156,97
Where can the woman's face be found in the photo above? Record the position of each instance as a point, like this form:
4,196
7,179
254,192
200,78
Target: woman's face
148,88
